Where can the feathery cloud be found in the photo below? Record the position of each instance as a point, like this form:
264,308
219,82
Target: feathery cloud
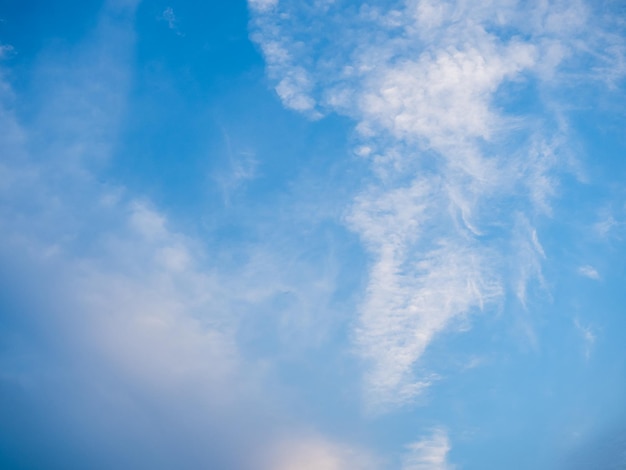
430,453
589,271
459,177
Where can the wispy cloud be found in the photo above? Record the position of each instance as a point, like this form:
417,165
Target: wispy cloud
430,453
588,337
170,18
611,222
261,5
590,272
5,51
459,176
242,168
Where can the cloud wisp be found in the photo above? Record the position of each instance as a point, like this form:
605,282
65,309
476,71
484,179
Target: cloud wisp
460,172
589,272
430,453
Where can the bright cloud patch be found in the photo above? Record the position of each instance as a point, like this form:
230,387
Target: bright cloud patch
589,271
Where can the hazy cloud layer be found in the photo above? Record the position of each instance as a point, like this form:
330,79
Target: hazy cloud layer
119,326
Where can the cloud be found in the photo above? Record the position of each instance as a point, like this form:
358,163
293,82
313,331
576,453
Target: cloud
589,272
242,168
5,51
315,453
170,18
588,337
610,223
460,175
262,5
430,453
442,96
604,227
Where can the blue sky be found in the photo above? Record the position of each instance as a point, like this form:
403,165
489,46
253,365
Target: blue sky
324,235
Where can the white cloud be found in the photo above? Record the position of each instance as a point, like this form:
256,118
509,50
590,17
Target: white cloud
262,5
443,96
430,453
530,256
604,227
449,224
293,90
611,222
170,18
589,271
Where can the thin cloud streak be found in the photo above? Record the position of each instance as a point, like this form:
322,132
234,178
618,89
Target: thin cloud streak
588,336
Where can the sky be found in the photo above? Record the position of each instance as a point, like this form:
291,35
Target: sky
323,235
